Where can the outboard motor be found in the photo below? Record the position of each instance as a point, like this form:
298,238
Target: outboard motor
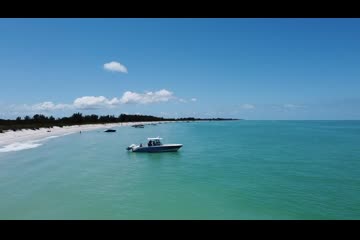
130,147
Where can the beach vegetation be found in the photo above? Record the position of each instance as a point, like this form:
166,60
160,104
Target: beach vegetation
38,121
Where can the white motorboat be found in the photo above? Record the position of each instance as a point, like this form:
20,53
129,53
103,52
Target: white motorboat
154,145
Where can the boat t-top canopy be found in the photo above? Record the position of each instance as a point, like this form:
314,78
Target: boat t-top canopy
157,138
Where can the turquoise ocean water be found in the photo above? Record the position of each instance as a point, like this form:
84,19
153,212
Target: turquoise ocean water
225,170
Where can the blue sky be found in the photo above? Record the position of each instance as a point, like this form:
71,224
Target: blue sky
243,68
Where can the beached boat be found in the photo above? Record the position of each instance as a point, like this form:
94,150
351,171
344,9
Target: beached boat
154,145
110,130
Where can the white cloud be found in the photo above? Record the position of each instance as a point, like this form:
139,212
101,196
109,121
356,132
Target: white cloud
292,106
49,106
97,102
92,102
186,101
247,106
115,67
145,98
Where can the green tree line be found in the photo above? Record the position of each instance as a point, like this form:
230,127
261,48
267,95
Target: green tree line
41,121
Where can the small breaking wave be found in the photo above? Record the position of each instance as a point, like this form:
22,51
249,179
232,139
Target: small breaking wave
68,133
19,146
48,138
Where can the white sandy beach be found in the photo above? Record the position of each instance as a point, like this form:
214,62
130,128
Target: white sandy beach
11,140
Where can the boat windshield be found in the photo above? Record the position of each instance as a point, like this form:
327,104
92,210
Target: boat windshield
156,142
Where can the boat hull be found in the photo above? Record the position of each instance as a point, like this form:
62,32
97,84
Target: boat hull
162,148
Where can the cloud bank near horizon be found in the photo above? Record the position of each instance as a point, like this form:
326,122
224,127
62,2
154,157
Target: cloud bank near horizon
100,102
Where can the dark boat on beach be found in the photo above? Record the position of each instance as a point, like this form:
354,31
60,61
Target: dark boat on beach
110,130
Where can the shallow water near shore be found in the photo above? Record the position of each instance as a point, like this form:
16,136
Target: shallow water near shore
225,170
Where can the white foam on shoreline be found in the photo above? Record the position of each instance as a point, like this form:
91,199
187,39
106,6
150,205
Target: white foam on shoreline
17,146
51,137
26,139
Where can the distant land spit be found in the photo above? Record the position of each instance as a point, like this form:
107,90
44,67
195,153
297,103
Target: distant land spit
40,121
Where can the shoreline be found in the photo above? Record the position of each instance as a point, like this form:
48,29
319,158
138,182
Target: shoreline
27,135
